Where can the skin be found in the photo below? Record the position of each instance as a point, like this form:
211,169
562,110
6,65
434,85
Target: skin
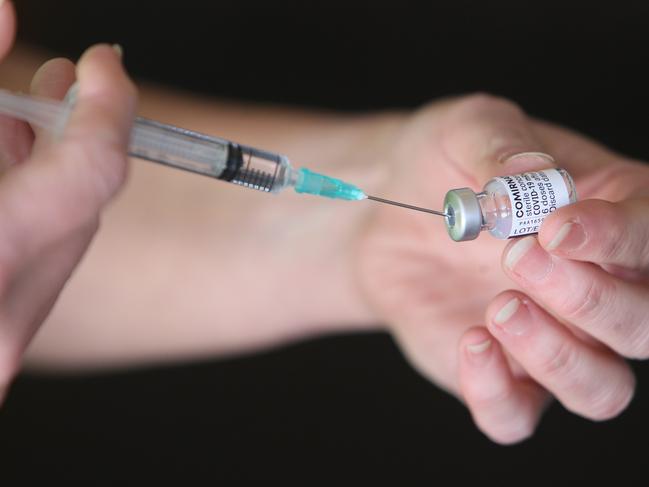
184,267
51,193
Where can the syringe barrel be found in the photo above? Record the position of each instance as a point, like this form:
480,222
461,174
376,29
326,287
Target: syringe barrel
179,148
210,156
169,145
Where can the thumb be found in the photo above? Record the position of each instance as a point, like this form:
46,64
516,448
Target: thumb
487,136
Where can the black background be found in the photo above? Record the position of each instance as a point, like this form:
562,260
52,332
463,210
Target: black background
338,410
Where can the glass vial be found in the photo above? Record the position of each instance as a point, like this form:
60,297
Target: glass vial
508,206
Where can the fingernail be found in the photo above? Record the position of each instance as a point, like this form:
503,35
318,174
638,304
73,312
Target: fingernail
534,158
504,319
477,348
518,251
477,354
570,236
118,49
507,311
526,258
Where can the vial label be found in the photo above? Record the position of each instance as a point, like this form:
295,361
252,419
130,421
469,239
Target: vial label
533,196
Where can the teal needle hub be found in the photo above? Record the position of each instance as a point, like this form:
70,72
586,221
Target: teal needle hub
310,182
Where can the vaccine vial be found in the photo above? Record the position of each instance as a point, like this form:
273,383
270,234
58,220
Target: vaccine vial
508,206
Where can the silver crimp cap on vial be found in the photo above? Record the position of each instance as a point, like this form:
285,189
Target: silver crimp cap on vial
463,214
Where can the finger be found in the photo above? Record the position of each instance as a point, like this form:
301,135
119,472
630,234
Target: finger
506,409
52,80
601,232
605,307
7,27
65,186
580,155
592,382
485,136
600,172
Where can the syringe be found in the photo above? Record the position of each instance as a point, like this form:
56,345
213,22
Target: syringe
499,208
198,153
192,151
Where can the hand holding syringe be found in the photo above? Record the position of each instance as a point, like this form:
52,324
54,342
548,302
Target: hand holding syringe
466,214
192,151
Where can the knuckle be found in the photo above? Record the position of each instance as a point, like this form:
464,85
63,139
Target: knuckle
610,247
623,177
610,225
486,102
589,302
622,219
596,310
560,364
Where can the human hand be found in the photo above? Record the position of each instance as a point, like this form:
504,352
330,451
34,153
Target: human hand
52,192
431,290
584,306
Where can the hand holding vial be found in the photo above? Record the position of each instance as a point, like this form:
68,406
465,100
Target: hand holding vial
580,303
584,305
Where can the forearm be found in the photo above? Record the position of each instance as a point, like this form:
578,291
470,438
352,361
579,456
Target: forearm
186,266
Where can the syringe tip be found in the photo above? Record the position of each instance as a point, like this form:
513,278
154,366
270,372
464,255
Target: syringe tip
318,184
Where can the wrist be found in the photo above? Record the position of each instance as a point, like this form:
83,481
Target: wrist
323,236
